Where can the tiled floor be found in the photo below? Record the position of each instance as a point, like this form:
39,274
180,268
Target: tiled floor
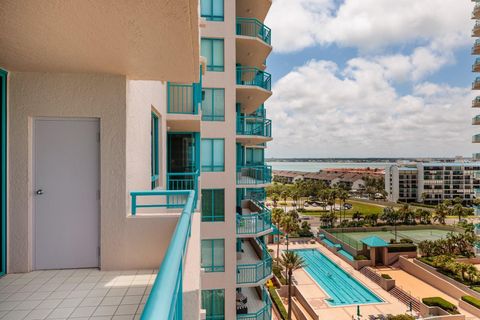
75,294
248,256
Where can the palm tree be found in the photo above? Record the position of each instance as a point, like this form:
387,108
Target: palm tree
284,195
458,211
288,225
277,216
441,212
275,199
343,196
291,261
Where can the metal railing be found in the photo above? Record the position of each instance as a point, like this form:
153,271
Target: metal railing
251,76
251,27
254,126
256,222
476,83
476,63
165,301
476,119
476,156
265,313
476,138
476,101
254,175
253,273
183,98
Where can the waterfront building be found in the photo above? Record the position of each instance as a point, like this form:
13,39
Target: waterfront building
133,137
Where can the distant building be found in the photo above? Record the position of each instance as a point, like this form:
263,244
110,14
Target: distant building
351,181
432,182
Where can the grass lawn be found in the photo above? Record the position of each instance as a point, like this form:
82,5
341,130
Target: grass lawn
359,206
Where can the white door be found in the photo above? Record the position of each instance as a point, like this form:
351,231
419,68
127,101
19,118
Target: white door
66,192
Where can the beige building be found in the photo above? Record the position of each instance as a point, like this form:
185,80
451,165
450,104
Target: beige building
133,137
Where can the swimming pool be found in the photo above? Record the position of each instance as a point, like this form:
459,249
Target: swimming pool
344,253
341,287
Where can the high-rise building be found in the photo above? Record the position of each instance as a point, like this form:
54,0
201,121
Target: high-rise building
133,139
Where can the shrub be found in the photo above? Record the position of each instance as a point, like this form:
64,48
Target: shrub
361,257
406,240
401,317
408,247
278,302
476,288
441,303
472,300
386,276
277,271
392,241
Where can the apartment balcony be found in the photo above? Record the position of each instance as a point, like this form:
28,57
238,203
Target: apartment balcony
254,304
476,30
183,105
253,42
476,12
476,156
476,102
252,130
257,9
476,65
255,220
476,120
476,84
253,88
248,176
254,263
476,138
476,47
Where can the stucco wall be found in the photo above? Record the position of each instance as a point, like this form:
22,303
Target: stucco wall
126,242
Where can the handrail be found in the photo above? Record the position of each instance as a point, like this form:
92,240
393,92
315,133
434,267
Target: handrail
254,126
183,98
263,313
251,76
165,300
252,27
254,175
476,138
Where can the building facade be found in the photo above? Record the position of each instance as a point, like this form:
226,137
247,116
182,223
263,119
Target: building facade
431,182
133,144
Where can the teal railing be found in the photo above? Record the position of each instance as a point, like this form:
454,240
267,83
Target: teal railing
251,27
265,313
255,272
184,98
251,224
182,180
476,138
254,126
251,76
476,119
476,82
253,175
165,301
475,101
476,156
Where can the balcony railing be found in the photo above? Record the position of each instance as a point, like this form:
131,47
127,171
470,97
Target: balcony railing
476,120
251,27
251,76
265,313
476,156
183,98
254,175
476,102
476,28
476,138
476,83
253,126
165,301
476,47
255,272
182,180
251,224
476,64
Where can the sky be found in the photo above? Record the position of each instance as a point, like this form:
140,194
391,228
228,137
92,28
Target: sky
371,78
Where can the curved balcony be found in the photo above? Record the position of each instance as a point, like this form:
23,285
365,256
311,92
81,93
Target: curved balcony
254,304
253,87
476,84
255,220
476,30
476,12
255,175
253,130
253,42
476,120
476,156
254,263
476,138
257,9
476,65
476,102
476,47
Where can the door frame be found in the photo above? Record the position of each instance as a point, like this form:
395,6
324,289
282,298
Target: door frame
34,182
3,231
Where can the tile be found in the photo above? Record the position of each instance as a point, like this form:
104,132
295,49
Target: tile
82,312
101,318
58,294
78,293
16,315
132,300
123,317
91,301
70,303
49,304
19,296
116,292
60,313
128,309
98,293
28,305
105,311
38,314
135,291
40,295
111,301
8,305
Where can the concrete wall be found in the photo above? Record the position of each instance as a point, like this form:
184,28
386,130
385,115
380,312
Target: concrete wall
126,242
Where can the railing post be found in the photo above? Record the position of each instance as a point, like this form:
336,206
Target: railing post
134,204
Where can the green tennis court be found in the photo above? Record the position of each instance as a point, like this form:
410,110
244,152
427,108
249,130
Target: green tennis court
353,238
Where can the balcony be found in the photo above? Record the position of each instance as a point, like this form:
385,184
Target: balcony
255,220
476,102
476,138
253,42
476,65
476,156
254,263
253,304
476,47
257,9
253,130
253,88
476,12
476,30
254,175
476,84
183,105
476,120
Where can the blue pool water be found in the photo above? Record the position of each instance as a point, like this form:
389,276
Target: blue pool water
342,288
344,253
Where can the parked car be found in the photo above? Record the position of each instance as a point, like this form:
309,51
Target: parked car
347,206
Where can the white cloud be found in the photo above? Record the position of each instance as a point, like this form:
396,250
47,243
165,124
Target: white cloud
321,110
369,24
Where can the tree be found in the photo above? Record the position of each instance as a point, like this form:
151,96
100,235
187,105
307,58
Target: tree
284,195
391,217
277,216
291,261
405,214
288,225
440,214
275,199
343,196
458,211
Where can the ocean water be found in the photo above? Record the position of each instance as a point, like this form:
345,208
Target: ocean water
316,166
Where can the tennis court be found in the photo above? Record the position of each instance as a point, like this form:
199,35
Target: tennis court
353,238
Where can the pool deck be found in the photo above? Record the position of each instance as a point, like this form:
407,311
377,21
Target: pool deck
315,295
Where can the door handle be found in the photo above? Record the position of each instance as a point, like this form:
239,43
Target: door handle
39,192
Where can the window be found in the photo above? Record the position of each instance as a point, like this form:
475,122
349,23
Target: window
213,301
212,155
213,106
254,156
213,255
213,205
212,10
154,150
212,50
